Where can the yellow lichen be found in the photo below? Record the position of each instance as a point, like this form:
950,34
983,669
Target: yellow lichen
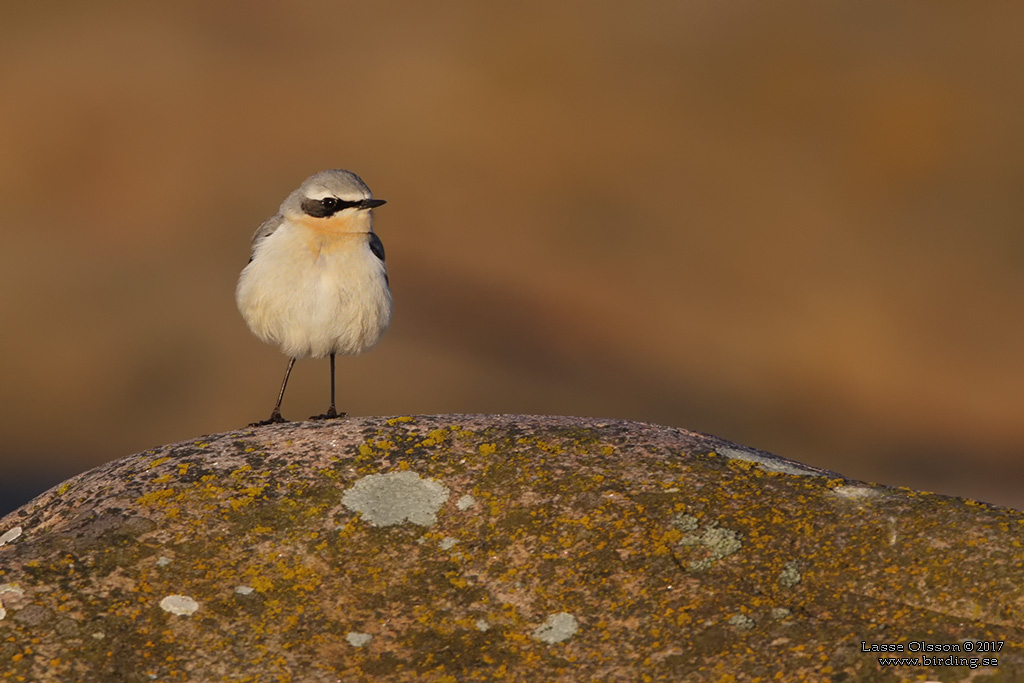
239,502
155,497
261,584
241,471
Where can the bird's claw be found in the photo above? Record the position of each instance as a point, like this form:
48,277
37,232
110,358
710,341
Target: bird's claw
329,415
275,418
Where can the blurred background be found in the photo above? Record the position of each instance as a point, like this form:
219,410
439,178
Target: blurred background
798,228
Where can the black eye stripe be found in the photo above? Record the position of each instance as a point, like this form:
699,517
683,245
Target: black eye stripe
328,206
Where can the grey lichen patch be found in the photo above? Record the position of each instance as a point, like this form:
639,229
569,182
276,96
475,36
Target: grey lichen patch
11,588
182,605
10,535
856,492
780,612
244,590
556,628
447,543
766,461
741,622
718,542
356,639
790,575
482,625
11,592
396,497
685,523
465,502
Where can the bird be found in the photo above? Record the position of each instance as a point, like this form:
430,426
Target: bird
316,284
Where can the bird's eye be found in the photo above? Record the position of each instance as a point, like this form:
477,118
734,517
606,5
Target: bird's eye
330,203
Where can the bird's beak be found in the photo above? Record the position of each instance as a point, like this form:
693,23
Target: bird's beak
371,203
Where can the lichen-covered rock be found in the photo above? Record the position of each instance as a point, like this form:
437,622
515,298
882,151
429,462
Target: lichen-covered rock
465,548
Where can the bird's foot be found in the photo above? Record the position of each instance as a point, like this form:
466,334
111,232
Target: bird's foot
275,418
329,415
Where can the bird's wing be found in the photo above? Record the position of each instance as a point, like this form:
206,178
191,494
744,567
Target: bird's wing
377,248
265,230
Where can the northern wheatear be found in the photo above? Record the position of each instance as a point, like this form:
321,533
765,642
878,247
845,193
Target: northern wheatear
316,284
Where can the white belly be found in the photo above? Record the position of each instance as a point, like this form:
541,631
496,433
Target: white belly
312,298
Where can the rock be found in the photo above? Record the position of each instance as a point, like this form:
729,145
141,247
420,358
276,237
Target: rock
472,547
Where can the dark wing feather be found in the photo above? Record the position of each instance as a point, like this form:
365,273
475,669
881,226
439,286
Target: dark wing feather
377,247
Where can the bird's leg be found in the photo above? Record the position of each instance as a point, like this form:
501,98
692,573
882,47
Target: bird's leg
331,412
276,415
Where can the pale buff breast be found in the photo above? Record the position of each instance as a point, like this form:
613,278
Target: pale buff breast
313,289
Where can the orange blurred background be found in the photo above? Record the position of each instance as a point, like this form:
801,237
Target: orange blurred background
797,228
